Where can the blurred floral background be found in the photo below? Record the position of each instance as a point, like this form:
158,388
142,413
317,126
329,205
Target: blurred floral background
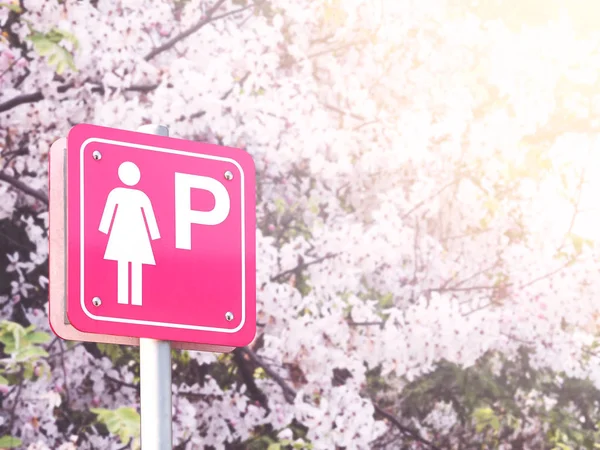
427,240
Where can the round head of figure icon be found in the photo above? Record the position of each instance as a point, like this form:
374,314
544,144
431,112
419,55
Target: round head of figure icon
129,173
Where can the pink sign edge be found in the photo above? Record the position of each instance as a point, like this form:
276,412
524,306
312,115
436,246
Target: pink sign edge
57,265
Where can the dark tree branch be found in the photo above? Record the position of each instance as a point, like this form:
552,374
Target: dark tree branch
522,286
403,429
547,275
201,23
336,49
9,68
144,88
576,204
422,202
199,114
196,395
126,446
38,96
183,444
344,113
248,377
64,368
21,99
13,38
465,289
30,98
13,409
51,344
10,156
122,383
141,88
242,81
302,265
365,324
416,251
62,351
288,392
98,88
17,184
468,278
15,243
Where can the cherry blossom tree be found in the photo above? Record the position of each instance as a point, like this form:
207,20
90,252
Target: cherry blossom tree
427,235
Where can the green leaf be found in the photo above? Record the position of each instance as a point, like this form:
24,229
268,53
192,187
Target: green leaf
579,242
274,446
485,417
9,343
387,301
15,7
10,442
49,45
3,380
43,46
114,352
54,36
128,415
561,446
123,422
102,413
38,337
491,204
30,352
108,418
136,444
71,38
60,67
280,205
28,371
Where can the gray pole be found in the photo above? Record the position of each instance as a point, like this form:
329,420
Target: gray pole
155,376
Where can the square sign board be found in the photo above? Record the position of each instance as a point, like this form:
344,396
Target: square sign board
160,238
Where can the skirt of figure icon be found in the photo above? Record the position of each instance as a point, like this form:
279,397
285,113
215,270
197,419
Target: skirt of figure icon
128,238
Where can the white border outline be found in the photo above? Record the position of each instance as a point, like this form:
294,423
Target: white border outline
81,242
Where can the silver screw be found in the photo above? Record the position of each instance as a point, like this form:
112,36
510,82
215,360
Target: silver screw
228,175
96,301
97,155
229,316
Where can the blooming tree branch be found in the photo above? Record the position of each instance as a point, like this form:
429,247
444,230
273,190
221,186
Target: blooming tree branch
404,429
288,391
20,100
209,18
408,153
19,185
302,266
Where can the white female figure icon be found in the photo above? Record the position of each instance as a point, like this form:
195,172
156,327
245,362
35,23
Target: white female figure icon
129,241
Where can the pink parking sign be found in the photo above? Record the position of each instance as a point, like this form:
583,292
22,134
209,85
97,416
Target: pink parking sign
160,238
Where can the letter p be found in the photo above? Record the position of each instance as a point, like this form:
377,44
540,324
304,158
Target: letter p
185,216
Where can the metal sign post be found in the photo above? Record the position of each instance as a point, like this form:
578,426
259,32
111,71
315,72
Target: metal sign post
155,393
155,376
